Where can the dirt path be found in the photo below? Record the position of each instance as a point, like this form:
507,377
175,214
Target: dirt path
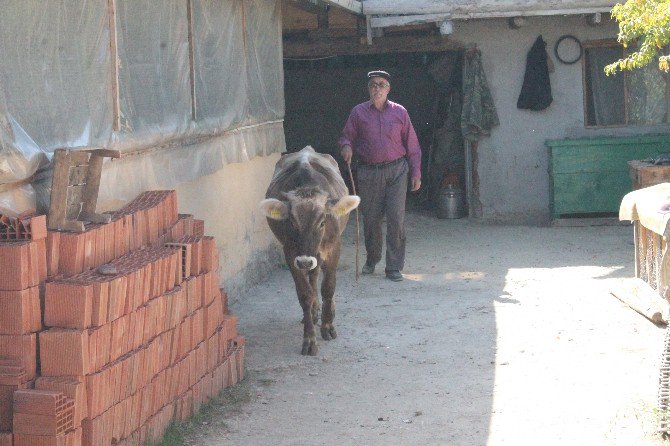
499,335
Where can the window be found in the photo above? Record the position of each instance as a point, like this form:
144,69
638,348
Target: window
638,97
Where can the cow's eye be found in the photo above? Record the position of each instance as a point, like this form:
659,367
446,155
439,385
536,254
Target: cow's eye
322,224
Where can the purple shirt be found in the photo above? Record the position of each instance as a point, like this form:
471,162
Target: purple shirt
382,136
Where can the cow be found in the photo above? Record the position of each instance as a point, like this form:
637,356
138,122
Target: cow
307,206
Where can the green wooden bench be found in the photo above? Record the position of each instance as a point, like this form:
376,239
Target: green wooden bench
589,176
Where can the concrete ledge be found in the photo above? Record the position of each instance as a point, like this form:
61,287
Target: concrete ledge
581,222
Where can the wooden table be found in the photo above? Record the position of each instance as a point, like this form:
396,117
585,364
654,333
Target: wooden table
644,174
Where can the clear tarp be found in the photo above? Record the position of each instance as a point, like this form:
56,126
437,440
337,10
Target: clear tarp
185,108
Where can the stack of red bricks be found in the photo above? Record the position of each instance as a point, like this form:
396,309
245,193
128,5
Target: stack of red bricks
22,270
139,333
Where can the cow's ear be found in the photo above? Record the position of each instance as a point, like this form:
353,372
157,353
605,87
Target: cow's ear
274,209
344,205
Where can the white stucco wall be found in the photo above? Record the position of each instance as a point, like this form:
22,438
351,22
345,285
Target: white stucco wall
513,162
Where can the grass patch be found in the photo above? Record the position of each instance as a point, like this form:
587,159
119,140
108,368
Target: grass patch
212,415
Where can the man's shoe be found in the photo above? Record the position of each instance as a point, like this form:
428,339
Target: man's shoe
395,276
368,269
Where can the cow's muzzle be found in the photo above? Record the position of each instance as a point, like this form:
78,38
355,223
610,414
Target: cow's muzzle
305,262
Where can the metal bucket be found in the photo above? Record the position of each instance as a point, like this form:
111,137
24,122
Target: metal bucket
450,203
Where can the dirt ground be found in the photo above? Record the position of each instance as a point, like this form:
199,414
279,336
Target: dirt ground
499,335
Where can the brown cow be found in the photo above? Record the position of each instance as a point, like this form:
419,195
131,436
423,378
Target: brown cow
307,206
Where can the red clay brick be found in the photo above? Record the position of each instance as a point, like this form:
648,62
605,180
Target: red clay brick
100,307
44,424
201,360
6,439
40,440
230,326
103,345
15,266
97,431
71,387
198,327
209,287
38,261
38,401
20,312
198,227
117,297
212,352
12,372
64,352
22,348
74,438
53,253
68,305
213,317
210,254
72,253
38,227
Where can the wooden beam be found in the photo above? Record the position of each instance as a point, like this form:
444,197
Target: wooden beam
376,7
191,58
322,19
462,15
485,8
114,56
303,48
402,20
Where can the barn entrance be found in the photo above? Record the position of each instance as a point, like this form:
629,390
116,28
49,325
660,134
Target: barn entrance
320,93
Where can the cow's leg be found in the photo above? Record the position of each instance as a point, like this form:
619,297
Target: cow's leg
328,294
314,283
307,299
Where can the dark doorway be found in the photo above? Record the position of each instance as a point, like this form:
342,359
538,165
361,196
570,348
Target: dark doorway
320,93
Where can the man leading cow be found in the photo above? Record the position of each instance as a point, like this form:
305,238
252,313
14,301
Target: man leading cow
381,134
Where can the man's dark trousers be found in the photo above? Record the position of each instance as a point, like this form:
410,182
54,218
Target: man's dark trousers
383,190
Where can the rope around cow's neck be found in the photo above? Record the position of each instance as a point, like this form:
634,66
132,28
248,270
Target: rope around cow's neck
353,186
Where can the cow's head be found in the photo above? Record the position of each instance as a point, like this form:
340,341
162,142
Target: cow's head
311,217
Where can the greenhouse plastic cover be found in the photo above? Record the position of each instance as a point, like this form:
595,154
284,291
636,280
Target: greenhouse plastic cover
57,90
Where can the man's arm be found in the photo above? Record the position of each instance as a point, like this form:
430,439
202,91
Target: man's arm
413,149
348,136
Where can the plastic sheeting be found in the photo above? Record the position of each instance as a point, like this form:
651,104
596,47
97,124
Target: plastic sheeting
57,89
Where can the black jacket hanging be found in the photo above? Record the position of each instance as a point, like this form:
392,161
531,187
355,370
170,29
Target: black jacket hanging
536,89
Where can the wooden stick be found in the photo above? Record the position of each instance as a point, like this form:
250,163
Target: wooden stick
358,232
114,54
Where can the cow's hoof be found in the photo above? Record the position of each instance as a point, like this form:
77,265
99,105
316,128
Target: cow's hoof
328,333
310,347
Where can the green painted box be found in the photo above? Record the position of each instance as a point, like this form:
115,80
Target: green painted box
591,175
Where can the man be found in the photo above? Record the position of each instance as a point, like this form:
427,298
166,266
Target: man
381,134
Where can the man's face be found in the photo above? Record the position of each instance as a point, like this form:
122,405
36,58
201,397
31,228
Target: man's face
379,88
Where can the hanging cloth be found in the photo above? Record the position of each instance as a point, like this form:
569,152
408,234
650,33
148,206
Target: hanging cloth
536,89
478,115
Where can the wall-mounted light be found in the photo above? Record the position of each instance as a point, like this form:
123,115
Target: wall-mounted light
595,19
516,22
446,28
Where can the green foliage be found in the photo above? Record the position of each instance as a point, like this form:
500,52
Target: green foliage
645,24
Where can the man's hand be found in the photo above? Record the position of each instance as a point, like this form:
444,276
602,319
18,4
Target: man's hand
346,153
416,184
